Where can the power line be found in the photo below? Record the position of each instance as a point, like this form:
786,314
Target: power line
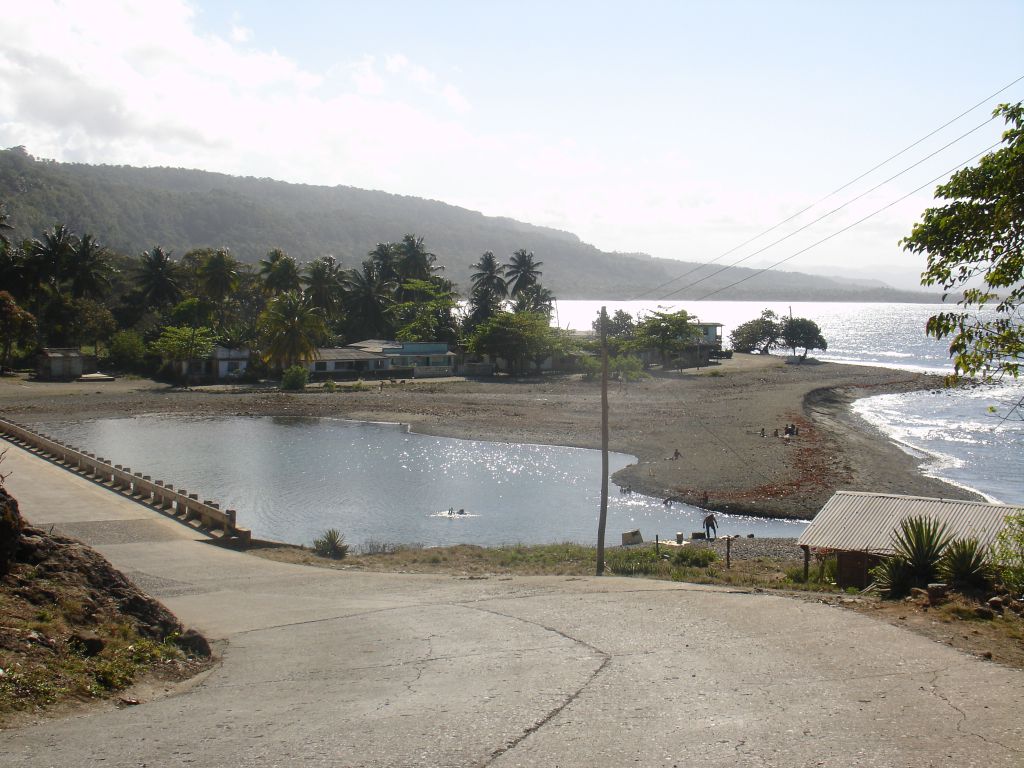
830,194
850,226
829,213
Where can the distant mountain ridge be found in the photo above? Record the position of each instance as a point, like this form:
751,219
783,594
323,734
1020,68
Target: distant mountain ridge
132,209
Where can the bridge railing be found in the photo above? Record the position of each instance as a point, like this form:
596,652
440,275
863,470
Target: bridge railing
204,515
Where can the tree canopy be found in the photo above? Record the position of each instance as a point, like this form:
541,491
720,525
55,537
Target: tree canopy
975,244
762,334
800,332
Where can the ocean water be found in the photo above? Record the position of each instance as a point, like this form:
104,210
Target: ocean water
961,434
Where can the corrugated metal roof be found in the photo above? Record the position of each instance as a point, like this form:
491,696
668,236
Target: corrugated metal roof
345,353
865,522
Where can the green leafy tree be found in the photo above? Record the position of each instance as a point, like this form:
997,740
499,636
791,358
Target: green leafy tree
93,322
293,330
619,325
180,344
431,315
17,326
127,350
761,334
974,245
801,332
516,338
1008,554
668,332
523,270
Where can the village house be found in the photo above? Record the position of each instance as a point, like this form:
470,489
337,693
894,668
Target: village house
858,527
63,364
378,358
222,364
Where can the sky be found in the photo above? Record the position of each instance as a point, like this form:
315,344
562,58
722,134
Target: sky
679,129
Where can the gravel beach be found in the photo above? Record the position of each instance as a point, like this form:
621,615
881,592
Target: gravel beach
713,416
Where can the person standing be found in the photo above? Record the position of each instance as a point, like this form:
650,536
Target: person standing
710,524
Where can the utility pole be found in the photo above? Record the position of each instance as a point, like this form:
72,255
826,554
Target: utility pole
604,442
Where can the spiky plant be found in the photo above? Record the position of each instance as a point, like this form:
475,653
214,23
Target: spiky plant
892,576
920,541
331,544
965,565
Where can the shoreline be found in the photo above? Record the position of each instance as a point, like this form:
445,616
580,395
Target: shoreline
713,416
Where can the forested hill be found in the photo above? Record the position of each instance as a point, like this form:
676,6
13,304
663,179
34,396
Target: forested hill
132,209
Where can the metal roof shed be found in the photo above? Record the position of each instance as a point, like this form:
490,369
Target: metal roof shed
859,527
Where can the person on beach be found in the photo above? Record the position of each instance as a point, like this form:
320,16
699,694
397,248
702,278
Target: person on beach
676,455
710,524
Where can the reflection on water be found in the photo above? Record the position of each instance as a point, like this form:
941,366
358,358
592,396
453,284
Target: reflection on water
292,478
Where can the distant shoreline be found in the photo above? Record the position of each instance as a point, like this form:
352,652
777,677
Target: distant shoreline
712,416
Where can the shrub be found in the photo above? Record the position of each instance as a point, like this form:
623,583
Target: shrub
893,576
331,544
127,350
1008,554
633,562
695,557
964,565
917,553
329,385
295,378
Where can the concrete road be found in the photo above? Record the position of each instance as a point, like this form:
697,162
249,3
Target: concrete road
329,668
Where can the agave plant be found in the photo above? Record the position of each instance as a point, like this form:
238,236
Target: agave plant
918,546
920,542
965,565
331,544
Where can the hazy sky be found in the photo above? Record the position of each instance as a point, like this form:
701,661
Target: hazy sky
676,128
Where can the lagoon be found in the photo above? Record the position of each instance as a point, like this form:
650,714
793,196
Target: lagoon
292,478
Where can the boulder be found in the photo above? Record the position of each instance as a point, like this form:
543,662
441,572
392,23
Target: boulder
194,643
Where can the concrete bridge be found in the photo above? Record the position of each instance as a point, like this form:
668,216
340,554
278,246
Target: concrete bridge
336,668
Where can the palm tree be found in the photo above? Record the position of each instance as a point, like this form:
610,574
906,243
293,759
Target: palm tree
158,278
369,297
536,299
292,330
489,276
414,261
280,273
522,271
218,274
324,285
48,257
90,269
385,262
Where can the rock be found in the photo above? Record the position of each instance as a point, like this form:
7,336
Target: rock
1017,606
937,593
996,604
11,526
918,592
984,613
987,655
192,642
89,643
632,537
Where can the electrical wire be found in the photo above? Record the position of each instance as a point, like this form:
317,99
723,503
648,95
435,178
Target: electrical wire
830,194
825,215
849,226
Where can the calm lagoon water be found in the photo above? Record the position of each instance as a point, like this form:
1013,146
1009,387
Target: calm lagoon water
290,479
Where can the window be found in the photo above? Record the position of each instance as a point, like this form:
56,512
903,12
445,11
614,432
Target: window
320,366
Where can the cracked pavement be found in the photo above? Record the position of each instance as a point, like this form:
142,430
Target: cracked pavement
336,668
